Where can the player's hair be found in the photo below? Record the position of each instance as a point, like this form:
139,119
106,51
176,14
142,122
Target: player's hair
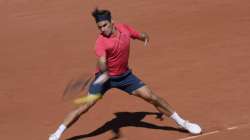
101,15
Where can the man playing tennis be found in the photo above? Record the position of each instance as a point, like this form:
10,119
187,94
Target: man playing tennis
112,50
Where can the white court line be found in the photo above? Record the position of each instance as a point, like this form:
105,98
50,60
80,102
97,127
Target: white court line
204,134
232,128
213,132
238,126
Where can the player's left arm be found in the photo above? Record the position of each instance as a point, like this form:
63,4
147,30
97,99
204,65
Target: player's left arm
134,34
144,37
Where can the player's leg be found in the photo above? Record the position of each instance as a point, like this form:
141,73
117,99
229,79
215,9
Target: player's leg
161,105
85,103
131,84
96,92
74,115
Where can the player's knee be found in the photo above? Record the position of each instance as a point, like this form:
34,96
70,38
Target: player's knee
154,99
149,96
84,104
76,113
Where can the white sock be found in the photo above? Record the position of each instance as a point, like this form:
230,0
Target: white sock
60,130
177,119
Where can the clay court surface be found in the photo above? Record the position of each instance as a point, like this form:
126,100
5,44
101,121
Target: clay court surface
198,60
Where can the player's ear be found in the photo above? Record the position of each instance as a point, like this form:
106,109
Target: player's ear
112,22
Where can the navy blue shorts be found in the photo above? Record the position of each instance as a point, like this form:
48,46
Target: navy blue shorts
127,82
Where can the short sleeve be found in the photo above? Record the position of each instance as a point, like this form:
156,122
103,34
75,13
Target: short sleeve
100,49
133,33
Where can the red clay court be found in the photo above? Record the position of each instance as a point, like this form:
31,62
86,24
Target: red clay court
198,60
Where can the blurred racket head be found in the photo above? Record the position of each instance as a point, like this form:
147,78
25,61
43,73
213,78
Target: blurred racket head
77,86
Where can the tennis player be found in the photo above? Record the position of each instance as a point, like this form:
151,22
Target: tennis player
112,52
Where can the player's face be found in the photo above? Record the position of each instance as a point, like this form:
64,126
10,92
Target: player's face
106,27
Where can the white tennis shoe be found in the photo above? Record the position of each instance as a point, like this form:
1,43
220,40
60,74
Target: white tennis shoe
53,137
192,128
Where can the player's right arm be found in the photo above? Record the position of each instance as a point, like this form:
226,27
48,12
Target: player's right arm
90,98
102,65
